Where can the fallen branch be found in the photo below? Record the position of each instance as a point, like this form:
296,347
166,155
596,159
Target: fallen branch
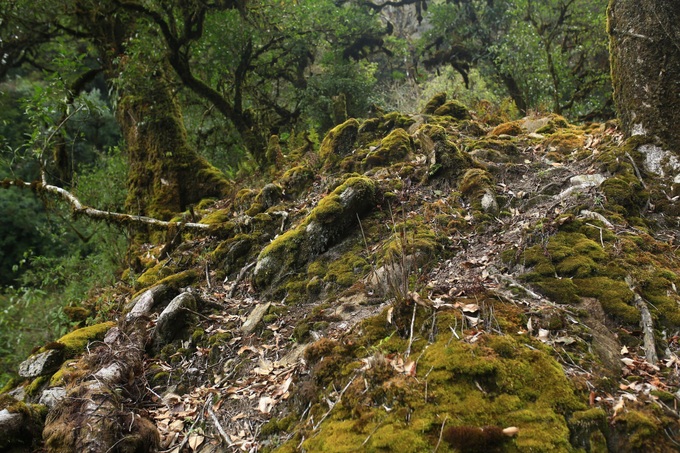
647,325
97,214
217,424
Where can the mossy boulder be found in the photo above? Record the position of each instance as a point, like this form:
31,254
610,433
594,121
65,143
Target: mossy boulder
76,341
513,128
433,104
323,227
339,142
296,180
396,146
454,109
445,158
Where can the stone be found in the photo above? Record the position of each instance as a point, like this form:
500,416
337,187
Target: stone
174,318
255,317
144,303
587,180
41,364
52,396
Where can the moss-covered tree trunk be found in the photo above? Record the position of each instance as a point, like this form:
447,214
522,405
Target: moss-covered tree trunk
645,61
165,172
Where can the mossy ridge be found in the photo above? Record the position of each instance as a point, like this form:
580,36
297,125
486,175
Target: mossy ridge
338,142
521,386
324,225
76,341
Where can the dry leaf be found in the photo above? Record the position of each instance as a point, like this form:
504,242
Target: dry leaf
195,441
624,350
177,425
543,335
266,404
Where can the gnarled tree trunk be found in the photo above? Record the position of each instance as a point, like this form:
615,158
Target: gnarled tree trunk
165,172
645,62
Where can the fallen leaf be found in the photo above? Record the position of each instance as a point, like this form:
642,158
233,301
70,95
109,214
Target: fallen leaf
195,441
266,404
624,350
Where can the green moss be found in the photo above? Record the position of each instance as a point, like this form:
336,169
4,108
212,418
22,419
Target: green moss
433,104
642,431
555,123
59,378
396,146
615,297
217,217
510,128
339,142
454,109
36,385
296,180
180,279
76,341
323,226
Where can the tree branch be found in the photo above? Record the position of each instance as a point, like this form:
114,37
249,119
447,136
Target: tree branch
79,208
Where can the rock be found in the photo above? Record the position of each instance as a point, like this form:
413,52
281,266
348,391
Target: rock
41,364
52,396
174,318
587,180
323,227
454,109
255,317
433,104
489,203
144,303
339,142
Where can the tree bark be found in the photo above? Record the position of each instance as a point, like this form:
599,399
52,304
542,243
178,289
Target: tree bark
165,172
645,63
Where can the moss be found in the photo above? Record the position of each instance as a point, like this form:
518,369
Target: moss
296,180
347,270
76,341
180,279
626,192
641,430
152,275
565,142
615,297
324,225
510,128
66,373
36,385
217,217
433,104
396,146
474,182
555,123
454,109
339,142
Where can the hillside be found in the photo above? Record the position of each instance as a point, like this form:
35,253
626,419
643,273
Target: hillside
417,283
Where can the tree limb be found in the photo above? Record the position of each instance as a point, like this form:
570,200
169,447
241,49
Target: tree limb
96,214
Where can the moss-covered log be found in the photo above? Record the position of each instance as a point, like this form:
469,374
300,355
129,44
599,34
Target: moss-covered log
645,62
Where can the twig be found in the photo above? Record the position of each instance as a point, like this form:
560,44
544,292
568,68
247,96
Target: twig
441,432
207,275
410,338
646,323
217,424
239,278
637,172
342,392
97,214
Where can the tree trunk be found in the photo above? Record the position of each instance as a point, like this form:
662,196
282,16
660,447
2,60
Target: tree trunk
645,62
165,174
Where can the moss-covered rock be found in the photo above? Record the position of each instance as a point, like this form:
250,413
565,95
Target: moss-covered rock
433,104
327,222
396,146
339,142
296,180
454,109
76,341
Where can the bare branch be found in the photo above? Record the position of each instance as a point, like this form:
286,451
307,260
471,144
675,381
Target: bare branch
96,214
